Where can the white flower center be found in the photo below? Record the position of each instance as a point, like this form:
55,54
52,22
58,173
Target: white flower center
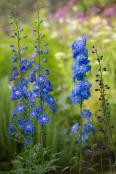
79,44
28,127
44,118
40,78
17,92
78,57
85,83
44,90
20,107
81,67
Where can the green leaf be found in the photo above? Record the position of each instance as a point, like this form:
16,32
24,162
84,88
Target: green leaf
37,148
97,164
65,169
92,169
38,168
74,158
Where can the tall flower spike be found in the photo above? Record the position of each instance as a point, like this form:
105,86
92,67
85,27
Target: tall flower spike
105,119
81,91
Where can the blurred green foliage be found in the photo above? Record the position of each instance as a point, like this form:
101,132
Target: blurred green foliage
60,34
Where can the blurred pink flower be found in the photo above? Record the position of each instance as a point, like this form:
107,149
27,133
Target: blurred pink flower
99,22
70,45
60,4
74,31
2,30
8,50
81,20
17,77
34,54
34,12
22,51
29,55
59,37
47,5
59,29
50,15
108,21
25,13
71,3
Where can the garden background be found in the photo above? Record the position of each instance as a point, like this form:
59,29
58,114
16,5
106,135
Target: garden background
63,22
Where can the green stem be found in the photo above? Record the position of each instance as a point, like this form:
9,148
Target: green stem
105,116
80,137
40,94
101,162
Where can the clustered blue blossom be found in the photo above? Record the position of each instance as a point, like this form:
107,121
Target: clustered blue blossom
20,91
81,91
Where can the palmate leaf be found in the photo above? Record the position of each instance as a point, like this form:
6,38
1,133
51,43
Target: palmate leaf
38,169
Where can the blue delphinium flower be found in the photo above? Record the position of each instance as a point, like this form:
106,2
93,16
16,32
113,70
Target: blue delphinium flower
74,128
42,86
12,127
43,119
20,107
20,121
13,115
28,140
16,92
86,114
88,128
82,136
34,113
81,91
28,127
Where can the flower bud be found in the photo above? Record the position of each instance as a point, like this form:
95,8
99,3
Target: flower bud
41,21
11,45
25,47
13,29
42,36
13,50
21,29
11,36
41,6
25,36
10,22
15,33
45,51
34,30
45,60
46,72
45,44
